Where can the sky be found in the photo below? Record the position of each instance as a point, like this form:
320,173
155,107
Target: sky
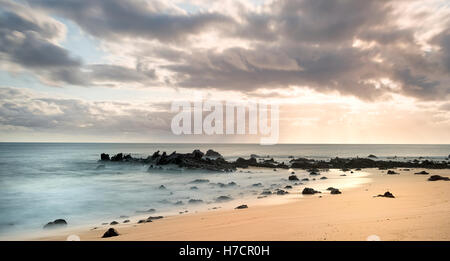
344,71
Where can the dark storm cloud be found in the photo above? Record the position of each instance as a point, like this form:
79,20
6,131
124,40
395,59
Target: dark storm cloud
27,41
138,19
289,43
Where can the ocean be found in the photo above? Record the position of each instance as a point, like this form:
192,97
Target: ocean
41,182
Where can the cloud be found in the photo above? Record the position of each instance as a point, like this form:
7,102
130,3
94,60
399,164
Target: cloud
21,108
368,49
137,19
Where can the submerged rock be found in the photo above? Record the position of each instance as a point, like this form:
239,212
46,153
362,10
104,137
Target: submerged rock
111,232
146,211
197,181
309,191
58,223
223,198
195,201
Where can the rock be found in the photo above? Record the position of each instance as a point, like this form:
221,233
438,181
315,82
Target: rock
372,156
314,173
266,192
293,178
58,223
282,192
178,203
288,187
149,219
423,172
117,157
386,194
213,154
335,191
223,199
391,172
146,211
114,223
358,169
195,201
330,188
162,187
193,188
241,207
437,177
305,179
257,185
111,232
104,157
323,178
293,172
343,175
126,221
143,221
309,191
197,154
197,181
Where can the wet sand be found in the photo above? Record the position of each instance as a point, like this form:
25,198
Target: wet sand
419,211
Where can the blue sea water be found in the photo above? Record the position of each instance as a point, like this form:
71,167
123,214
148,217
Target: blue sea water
40,182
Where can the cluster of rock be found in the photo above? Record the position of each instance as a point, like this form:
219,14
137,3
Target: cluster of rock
214,161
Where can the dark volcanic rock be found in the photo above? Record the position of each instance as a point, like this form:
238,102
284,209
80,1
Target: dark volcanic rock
152,210
223,198
149,219
114,223
58,223
126,221
335,191
288,187
437,177
104,157
197,181
309,191
423,172
110,233
117,157
386,194
195,201
323,178
331,188
282,192
293,178
391,172
213,154
241,207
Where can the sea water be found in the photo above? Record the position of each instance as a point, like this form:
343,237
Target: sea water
41,182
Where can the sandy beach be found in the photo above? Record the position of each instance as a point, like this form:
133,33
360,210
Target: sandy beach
419,211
